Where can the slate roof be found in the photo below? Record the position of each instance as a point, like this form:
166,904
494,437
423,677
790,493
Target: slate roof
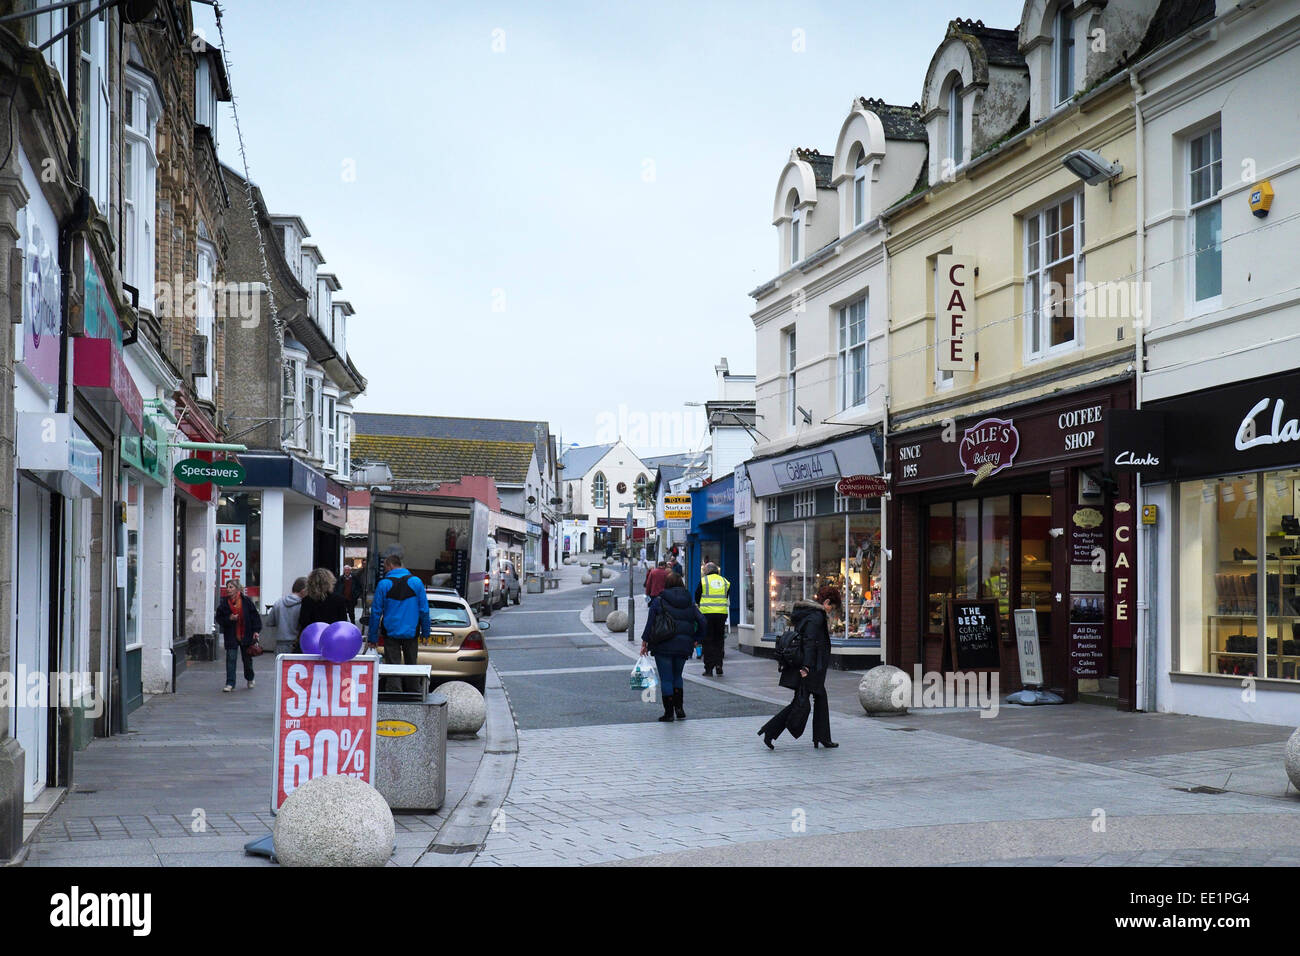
578,461
445,459
1001,47
820,164
899,122
466,429
1172,19
680,459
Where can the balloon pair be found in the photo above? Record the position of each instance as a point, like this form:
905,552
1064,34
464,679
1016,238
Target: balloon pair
337,642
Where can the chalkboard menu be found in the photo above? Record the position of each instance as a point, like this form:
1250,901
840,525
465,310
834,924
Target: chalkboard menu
973,634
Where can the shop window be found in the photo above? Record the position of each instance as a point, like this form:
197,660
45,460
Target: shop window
939,570
1036,559
131,500
809,558
747,582
244,511
805,504
769,510
1238,592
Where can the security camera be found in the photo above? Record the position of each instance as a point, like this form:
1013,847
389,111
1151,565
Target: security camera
1090,166
1056,532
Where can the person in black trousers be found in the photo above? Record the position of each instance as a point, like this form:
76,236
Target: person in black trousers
809,619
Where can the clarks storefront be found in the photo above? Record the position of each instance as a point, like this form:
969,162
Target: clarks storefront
1012,507
1227,562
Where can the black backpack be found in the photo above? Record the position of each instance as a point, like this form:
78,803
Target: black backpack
789,649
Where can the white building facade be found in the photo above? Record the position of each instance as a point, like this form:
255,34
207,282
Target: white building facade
821,384
599,482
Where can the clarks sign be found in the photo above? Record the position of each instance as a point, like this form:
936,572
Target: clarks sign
988,447
1248,435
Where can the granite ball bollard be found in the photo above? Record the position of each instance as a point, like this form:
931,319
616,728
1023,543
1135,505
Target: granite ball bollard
885,690
466,709
334,821
583,564
586,579
1293,759
617,621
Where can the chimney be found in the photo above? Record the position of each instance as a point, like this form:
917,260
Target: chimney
722,370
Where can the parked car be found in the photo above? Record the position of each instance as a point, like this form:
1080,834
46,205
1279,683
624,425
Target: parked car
455,647
511,590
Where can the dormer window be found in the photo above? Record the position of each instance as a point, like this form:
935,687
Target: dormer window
860,190
1063,52
955,124
795,217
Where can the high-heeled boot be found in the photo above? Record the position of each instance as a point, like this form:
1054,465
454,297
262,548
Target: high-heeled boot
677,704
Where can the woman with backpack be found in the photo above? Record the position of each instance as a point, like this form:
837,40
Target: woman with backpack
672,629
809,677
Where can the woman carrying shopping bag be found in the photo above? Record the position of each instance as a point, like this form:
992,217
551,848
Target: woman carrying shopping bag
240,626
672,628
809,619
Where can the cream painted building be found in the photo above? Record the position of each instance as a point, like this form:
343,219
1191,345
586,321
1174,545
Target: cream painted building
595,508
999,492
822,378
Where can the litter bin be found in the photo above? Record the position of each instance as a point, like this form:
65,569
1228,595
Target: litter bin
602,604
533,583
596,569
411,742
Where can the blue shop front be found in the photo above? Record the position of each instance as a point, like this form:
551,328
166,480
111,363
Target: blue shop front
713,537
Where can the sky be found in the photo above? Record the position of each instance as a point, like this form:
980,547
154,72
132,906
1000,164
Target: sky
554,211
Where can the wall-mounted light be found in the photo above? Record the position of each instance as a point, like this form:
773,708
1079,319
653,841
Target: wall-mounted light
1090,166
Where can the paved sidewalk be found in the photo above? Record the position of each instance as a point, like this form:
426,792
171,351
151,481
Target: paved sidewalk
190,784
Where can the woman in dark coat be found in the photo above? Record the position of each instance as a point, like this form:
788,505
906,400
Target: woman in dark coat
670,655
322,603
809,619
240,626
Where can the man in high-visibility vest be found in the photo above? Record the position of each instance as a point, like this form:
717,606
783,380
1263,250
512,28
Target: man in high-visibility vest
712,596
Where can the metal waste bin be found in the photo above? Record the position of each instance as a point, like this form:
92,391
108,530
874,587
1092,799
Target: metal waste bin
602,604
533,583
596,570
411,742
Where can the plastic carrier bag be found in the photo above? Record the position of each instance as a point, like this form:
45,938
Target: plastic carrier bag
644,674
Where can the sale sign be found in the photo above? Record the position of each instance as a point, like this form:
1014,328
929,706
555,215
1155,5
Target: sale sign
325,720
231,553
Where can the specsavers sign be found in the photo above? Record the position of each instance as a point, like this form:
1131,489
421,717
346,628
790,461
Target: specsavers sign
196,471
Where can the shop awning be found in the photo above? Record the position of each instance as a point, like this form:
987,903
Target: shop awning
813,467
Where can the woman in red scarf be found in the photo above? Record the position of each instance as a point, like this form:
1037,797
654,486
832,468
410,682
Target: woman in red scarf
240,625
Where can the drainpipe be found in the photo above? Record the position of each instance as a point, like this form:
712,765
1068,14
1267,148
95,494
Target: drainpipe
1147,541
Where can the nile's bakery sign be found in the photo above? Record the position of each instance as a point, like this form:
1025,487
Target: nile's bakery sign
988,448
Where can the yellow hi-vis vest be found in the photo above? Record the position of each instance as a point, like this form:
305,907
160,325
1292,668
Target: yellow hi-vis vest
713,595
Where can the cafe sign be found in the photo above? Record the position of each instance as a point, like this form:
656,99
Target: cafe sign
988,447
196,471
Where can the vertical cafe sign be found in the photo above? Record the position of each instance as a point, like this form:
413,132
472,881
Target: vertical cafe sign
955,307
1122,590
42,312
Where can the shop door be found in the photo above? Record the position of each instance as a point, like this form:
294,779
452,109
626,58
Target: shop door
179,568
33,629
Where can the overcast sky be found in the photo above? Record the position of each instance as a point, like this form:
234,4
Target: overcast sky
546,211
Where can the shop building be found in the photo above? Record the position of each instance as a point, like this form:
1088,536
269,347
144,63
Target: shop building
600,481
1217,440
821,328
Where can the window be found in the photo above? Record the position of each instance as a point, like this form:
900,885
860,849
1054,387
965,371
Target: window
642,491
288,403
805,503
793,410
1063,55
140,112
860,190
795,216
1053,272
41,28
853,354
598,490
956,125
1205,165
205,96
329,426
309,434
205,318
345,446
813,554
769,510
92,93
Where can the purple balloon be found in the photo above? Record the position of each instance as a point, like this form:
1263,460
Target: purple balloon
309,639
340,642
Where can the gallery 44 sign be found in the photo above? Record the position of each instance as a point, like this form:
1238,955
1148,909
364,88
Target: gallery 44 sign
196,471
988,448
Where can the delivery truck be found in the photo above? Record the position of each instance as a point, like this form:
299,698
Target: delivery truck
444,540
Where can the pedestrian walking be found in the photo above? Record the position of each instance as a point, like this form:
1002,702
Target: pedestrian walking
283,615
670,652
399,614
321,604
809,619
346,588
240,626
712,595
655,582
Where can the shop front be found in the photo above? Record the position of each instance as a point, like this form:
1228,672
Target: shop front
194,561
1014,509
146,534
1226,497
331,520
713,539
808,542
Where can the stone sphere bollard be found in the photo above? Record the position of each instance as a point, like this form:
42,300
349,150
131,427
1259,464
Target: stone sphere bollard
586,579
885,690
1293,759
617,620
334,821
466,709
583,564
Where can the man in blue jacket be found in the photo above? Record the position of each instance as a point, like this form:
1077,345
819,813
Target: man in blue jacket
400,612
